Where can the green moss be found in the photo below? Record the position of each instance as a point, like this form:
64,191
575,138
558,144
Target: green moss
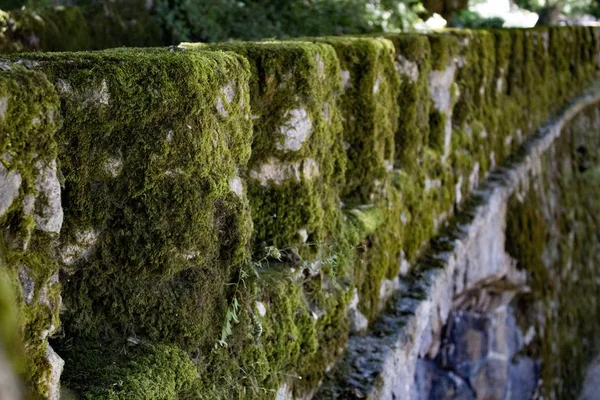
28,122
292,93
132,371
552,232
150,149
413,53
370,113
443,50
156,147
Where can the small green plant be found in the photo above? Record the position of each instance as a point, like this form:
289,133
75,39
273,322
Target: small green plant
291,254
232,315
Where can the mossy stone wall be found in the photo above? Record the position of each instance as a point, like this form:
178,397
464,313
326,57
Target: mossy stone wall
553,233
233,212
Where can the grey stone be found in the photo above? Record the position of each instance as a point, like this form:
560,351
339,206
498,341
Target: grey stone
49,215
433,383
10,182
27,285
358,322
53,376
296,130
591,384
523,375
276,171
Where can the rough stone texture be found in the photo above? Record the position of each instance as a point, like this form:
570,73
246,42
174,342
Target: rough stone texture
591,385
481,349
10,182
441,84
49,217
296,130
56,368
432,383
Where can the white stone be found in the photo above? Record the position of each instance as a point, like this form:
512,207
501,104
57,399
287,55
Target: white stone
345,75
100,95
228,93
310,169
441,85
236,186
296,130
320,66
28,204
277,172
407,68
358,322
284,393
10,183
50,215
82,248
27,285
303,235
377,84
221,108
387,289
113,166
53,378
474,177
432,184
458,191
260,307
64,86
3,106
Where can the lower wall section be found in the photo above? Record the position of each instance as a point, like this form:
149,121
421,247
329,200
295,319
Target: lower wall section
503,305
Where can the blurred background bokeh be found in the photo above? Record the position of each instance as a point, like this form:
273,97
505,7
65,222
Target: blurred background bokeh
159,22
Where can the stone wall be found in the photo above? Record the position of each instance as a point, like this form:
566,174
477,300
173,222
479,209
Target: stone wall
499,306
217,221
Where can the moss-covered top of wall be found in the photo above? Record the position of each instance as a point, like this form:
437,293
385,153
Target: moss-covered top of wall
94,27
368,102
296,171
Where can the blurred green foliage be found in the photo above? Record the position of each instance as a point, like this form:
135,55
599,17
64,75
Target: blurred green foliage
471,19
222,20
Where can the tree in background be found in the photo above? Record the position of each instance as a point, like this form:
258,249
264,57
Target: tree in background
550,11
445,8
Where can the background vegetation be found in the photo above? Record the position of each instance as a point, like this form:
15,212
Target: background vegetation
222,20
